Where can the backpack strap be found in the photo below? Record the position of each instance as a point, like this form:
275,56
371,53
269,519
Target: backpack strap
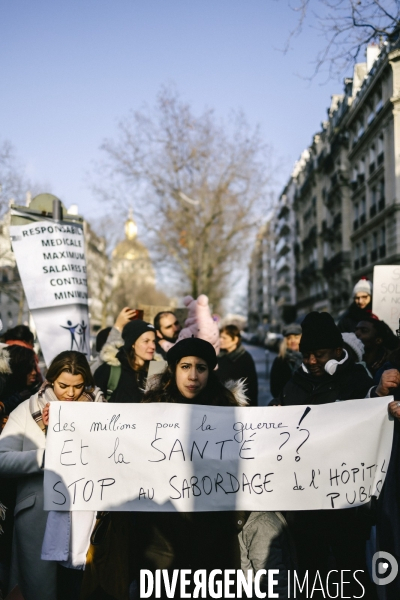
113,380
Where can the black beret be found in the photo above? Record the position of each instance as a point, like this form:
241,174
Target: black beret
193,347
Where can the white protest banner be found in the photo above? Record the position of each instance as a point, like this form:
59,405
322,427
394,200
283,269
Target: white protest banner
386,294
172,457
52,266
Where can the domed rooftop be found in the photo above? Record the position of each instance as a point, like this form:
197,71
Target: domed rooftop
130,248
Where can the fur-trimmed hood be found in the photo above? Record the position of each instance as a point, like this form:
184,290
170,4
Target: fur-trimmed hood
5,368
238,389
109,353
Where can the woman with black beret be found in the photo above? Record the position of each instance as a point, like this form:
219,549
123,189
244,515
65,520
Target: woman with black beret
195,540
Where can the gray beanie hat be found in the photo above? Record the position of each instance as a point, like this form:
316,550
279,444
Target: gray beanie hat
292,329
364,285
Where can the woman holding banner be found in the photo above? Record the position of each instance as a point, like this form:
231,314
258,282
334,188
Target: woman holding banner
196,540
22,449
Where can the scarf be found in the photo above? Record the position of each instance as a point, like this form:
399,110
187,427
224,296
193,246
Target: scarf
46,394
294,359
235,354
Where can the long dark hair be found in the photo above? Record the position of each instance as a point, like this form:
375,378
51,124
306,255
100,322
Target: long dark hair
164,389
74,363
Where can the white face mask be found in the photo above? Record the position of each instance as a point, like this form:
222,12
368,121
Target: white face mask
331,365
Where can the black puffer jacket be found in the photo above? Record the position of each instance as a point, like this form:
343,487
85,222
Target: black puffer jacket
351,381
236,365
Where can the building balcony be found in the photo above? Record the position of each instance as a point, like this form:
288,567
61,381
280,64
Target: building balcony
283,283
337,220
312,299
282,247
336,263
309,271
283,227
283,263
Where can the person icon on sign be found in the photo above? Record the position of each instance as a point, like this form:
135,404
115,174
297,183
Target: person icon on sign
73,330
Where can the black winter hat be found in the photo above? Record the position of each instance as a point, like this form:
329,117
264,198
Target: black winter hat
319,331
133,330
193,347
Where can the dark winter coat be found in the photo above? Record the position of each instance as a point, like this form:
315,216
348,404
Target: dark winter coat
194,540
282,370
353,315
131,383
351,381
239,364
388,509
343,532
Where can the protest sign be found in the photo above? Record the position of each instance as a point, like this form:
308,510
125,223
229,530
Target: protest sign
51,262
173,457
386,294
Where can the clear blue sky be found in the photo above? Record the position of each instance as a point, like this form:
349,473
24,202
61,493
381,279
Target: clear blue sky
71,69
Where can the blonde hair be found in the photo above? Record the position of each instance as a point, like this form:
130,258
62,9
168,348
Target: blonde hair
283,348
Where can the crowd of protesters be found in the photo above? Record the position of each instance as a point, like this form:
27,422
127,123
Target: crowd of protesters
98,556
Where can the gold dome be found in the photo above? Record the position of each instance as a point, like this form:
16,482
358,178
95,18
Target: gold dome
130,248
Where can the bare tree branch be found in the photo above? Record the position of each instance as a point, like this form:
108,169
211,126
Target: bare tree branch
197,186
346,27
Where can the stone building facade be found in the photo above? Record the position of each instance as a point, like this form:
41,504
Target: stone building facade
345,192
261,277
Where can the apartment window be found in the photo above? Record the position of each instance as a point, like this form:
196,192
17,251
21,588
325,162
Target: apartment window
381,203
371,159
362,211
380,149
360,131
363,258
379,100
374,251
372,210
357,257
356,216
382,247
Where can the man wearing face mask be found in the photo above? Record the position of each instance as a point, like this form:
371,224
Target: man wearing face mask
327,373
